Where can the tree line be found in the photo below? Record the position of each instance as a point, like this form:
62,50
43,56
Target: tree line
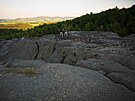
120,21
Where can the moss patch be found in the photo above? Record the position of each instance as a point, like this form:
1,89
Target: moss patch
27,71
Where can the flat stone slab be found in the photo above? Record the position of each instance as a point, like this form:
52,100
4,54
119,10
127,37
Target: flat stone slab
60,82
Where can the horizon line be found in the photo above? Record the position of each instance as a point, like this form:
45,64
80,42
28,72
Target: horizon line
65,16
36,17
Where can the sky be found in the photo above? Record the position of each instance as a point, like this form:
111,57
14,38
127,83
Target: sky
73,8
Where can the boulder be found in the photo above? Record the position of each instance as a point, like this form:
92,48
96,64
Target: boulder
127,61
30,49
24,50
74,55
68,54
127,79
6,46
45,49
59,55
99,64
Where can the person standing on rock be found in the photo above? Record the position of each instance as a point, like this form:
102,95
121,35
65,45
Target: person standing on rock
61,32
65,33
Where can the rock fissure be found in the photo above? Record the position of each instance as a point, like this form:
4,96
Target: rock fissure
63,58
37,50
54,48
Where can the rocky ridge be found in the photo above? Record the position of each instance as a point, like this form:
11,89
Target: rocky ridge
83,66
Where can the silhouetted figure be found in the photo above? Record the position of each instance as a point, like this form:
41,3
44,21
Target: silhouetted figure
66,33
61,32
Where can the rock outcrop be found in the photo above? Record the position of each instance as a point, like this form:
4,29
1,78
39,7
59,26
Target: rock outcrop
84,66
60,82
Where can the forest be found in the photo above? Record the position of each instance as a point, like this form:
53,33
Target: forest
120,21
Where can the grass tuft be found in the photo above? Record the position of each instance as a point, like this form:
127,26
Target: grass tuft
27,71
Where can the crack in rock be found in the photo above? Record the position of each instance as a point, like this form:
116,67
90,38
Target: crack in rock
37,50
54,48
63,57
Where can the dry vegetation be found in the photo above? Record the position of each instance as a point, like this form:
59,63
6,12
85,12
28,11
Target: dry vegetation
30,71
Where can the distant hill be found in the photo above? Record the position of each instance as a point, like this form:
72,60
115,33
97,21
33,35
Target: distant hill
4,20
38,19
30,22
120,21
